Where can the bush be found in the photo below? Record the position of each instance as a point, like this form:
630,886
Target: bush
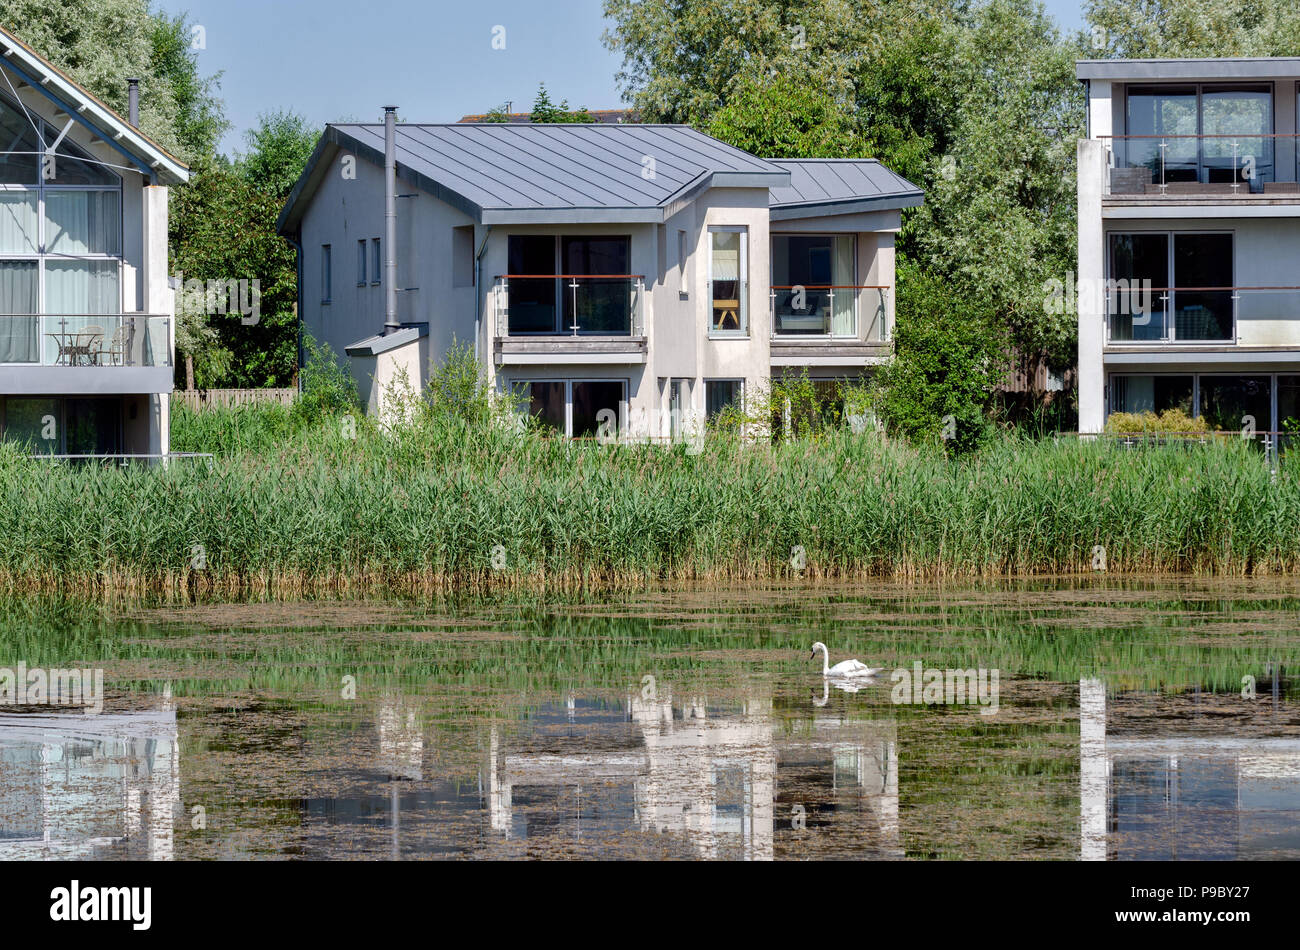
1169,422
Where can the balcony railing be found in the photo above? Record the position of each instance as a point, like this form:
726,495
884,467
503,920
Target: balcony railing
1173,165
1191,315
569,305
104,340
818,310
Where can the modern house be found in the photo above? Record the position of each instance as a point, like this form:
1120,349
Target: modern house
1189,241
647,273
86,328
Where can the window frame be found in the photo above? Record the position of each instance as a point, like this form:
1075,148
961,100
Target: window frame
742,333
376,262
40,187
514,383
326,274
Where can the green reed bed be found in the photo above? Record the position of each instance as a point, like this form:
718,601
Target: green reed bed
289,506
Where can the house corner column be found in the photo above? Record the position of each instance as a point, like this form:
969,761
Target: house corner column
1089,286
159,301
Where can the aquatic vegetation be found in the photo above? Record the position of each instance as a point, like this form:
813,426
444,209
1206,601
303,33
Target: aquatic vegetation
340,503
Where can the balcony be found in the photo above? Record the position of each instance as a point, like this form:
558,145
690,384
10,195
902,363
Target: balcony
569,319
1198,169
1208,317
829,325
46,354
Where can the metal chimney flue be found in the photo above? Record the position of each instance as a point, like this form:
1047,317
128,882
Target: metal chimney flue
390,221
133,102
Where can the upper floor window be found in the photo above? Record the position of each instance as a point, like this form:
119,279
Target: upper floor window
326,273
1206,133
60,240
813,289
361,262
570,284
376,261
728,279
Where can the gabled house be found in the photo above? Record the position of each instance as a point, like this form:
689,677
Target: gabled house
1189,241
86,310
646,272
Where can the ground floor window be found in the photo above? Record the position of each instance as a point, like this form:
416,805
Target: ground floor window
576,408
721,395
56,425
1224,401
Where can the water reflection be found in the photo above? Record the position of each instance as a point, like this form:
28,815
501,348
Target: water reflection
715,777
87,787
1211,795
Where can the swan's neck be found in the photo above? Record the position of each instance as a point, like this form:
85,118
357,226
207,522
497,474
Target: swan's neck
826,661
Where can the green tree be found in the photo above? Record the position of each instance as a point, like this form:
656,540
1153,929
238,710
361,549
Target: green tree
279,148
950,355
546,112
1190,28
782,117
223,229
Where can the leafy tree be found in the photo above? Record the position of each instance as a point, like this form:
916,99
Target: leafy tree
783,117
546,112
1189,28
223,229
950,354
279,149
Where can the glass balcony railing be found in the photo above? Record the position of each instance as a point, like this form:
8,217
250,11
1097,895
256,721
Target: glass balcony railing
829,310
1253,164
1210,315
99,340
569,305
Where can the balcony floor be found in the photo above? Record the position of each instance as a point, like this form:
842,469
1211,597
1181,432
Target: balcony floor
570,350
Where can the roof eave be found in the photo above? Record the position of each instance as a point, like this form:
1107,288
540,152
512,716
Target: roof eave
819,209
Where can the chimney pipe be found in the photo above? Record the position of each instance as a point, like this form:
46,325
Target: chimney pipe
390,221
133,100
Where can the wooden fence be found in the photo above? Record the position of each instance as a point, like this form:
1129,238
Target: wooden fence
221,398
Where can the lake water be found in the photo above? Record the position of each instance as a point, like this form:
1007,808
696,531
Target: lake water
1115,719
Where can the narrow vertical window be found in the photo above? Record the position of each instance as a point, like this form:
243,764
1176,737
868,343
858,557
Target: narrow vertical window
361,263
326,278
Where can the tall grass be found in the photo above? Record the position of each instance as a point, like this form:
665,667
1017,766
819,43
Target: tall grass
289,505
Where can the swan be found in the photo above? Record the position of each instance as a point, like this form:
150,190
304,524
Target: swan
847,668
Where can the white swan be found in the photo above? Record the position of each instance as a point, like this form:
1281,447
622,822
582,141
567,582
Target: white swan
847,668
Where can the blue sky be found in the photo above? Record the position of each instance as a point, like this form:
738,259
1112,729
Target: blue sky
345,59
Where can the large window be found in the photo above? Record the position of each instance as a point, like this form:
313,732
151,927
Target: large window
60,240
570,284
52,425
1182,272
813,285
728,277
578,408
1201,133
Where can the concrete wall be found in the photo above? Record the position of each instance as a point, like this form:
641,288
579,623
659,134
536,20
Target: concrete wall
1092,158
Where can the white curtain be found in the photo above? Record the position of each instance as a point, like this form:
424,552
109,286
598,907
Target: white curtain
81,294
18,222
83,222
844,322
19,336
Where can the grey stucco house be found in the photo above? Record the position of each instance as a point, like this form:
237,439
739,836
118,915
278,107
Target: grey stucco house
649,270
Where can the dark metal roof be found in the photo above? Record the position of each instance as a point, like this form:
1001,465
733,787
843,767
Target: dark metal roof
504,173
1260,67
823,186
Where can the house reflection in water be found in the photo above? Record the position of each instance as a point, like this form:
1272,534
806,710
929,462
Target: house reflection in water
87,787
1191,797
708,776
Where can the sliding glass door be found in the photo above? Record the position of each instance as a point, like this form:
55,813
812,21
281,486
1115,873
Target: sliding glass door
1171,287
